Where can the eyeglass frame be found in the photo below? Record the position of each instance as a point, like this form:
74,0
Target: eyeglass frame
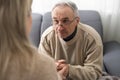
63,21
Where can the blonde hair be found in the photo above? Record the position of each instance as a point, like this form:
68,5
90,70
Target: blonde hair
14,44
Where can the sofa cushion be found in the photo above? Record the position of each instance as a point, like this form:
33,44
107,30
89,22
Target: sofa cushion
93,19
47,21
36,29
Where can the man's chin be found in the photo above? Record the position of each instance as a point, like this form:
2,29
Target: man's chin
62,36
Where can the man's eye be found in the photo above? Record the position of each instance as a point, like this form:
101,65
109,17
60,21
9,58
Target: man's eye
65,21
55,21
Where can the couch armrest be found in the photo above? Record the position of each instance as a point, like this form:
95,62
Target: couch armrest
112,57
36,29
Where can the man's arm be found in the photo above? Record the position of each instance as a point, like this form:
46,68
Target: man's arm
92,68
44,47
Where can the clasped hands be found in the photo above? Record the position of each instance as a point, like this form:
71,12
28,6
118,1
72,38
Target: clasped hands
62,68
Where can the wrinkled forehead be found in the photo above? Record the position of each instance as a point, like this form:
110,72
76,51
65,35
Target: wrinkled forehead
61,12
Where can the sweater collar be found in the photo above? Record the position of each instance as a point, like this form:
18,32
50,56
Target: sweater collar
71,36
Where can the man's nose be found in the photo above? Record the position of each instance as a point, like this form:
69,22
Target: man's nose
60,24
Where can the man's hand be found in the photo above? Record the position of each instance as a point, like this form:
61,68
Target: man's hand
62,68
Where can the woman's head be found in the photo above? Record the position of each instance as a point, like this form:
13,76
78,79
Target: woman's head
14,16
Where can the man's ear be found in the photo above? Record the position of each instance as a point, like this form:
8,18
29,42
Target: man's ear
78,19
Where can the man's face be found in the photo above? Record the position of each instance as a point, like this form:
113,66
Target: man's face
64,21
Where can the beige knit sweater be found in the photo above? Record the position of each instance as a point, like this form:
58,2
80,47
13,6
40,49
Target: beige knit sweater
84,53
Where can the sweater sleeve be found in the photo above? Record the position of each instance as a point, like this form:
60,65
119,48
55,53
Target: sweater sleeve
44,46
92,68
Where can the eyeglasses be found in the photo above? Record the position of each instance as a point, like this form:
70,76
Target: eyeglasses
63,21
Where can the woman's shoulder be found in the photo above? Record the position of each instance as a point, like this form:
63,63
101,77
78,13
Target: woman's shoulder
45,67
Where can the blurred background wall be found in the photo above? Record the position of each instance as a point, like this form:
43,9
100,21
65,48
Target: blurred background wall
109,11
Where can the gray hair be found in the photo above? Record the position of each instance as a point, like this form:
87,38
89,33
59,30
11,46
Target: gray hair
70,4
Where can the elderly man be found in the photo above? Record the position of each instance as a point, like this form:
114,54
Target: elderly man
76,47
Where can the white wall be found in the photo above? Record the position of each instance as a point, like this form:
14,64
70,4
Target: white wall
108,9
42,6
